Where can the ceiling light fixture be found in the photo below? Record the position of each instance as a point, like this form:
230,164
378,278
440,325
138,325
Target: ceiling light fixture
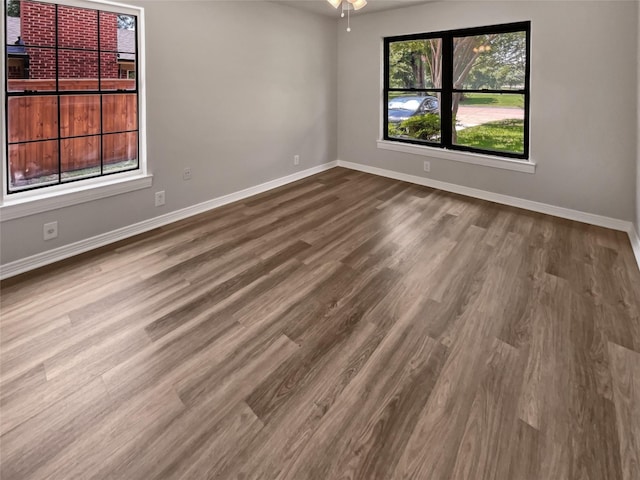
348,5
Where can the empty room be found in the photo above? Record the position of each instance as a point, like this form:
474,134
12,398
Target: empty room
320,239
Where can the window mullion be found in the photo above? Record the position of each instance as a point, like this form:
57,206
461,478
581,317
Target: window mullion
446,122
101,96
385,88
57,70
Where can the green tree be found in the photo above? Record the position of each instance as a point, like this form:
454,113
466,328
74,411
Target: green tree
482,61
418,64
126,22
415,64
503,66
424,127
13,8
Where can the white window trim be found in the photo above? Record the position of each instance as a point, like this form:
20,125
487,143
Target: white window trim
43,200
526,166
21,204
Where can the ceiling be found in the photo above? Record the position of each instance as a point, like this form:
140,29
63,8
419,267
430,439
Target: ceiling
324,8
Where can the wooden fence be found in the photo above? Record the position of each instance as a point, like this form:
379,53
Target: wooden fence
34,119
19,85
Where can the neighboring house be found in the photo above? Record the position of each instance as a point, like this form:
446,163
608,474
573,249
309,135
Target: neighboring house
13,29
126,61
35,28
17,59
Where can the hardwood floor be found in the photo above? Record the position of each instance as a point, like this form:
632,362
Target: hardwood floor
345,326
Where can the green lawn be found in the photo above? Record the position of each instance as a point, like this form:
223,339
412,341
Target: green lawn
493,100
502,136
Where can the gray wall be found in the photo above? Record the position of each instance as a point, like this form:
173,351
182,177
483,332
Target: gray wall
583,106
234,90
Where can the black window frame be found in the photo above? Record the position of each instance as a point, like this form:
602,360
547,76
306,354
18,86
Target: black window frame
58,93
447,91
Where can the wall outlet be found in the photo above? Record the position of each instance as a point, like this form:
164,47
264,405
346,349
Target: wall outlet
296,159
159,198
186,174
50,230
427,166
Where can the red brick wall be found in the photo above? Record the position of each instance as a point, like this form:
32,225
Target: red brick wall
77,28
109,41
42,62
37,24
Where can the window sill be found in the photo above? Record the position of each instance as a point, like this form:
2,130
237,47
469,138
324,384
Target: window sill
525,166
73,195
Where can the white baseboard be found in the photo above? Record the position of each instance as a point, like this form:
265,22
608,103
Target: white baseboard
51,256
634,236
567,213
590,218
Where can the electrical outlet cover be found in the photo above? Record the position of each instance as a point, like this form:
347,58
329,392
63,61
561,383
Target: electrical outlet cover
50,230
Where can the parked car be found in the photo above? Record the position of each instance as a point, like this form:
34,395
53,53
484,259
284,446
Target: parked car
401,108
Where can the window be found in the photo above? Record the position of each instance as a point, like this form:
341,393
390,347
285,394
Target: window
460,90
71,93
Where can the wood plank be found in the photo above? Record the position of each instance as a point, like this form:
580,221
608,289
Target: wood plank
363,433
441,426
322,337
486,444
524,463
625,372
39,439
121,431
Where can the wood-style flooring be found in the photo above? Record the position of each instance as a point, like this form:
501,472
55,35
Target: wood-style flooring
346,326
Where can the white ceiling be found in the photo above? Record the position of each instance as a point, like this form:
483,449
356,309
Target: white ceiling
324,8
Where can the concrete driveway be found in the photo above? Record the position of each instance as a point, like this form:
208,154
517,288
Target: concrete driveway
471,116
